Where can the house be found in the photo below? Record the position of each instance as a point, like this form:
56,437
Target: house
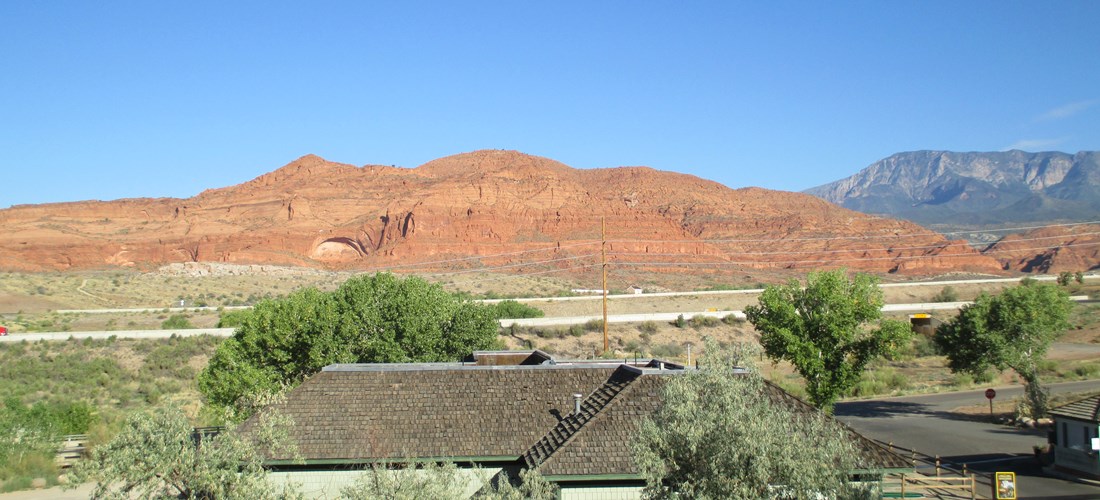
501,411
1075,434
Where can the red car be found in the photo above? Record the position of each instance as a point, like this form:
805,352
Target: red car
3,331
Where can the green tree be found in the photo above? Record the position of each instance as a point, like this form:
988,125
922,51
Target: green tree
820,330
155,456
1010,330
723,432
370,319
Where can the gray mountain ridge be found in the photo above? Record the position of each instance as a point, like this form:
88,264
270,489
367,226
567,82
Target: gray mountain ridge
946,188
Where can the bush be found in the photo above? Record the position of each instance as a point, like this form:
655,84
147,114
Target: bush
510,309
1089,370
576,330
732,319
176,322
700,321
648,327
667,351
594,325
680,322
232,319
947,294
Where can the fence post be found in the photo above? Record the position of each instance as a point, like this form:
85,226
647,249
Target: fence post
903,485
913,458
973,484
937,466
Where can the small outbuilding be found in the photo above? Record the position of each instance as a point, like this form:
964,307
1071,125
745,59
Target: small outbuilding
1075,437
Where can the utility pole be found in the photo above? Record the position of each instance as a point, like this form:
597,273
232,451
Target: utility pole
603,260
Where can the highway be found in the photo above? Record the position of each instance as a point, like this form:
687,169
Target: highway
504,323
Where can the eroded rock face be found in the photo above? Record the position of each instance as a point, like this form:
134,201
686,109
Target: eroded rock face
316,213
1050,249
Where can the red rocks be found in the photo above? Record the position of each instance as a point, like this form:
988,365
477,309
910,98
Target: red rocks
320,214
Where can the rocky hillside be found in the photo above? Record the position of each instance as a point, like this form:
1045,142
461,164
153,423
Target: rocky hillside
486,208
1050,249
947,188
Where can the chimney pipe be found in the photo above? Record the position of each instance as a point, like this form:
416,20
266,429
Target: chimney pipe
577,402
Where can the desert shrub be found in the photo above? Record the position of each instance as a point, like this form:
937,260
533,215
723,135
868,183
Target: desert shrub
550,333
732,319
962,380
648,327
680,322
880,381
667,351
176,322
700,321
576,330
232,319
946,294
1089,370
1048,367
594,325
510,309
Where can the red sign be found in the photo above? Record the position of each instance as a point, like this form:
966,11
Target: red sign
990,393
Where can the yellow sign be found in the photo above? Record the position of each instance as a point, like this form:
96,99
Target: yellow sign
1004,486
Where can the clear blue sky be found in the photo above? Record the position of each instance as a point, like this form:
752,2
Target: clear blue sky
105,100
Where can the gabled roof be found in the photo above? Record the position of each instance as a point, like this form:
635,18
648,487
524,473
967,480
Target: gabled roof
521,414
596,441
360,413
1087,409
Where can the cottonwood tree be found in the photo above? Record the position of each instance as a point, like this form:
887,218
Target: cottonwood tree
1010,330
820,329
156,456
726,433
369,319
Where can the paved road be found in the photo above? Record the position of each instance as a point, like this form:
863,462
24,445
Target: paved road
924,423
122,334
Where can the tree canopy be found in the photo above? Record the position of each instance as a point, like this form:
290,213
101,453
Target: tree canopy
369,319
726,433
820,330
1010,330
155,455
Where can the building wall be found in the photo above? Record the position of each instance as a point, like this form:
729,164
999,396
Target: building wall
1073,449
326,484
602,493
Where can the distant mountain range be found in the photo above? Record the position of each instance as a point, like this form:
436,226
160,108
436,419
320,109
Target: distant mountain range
944,188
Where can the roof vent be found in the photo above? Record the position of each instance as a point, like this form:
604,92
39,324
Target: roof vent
577,402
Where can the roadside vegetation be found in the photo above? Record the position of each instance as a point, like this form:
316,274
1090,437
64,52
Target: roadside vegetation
52,389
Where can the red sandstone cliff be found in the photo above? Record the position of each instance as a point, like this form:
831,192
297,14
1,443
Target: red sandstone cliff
316,213
1050,249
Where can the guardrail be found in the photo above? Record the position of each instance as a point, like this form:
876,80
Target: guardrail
72,448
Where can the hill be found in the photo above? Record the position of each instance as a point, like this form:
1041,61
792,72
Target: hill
482,209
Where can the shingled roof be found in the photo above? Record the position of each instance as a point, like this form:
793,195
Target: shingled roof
522,415
371,412
1087,410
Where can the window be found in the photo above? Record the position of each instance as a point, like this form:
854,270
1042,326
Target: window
1065,435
